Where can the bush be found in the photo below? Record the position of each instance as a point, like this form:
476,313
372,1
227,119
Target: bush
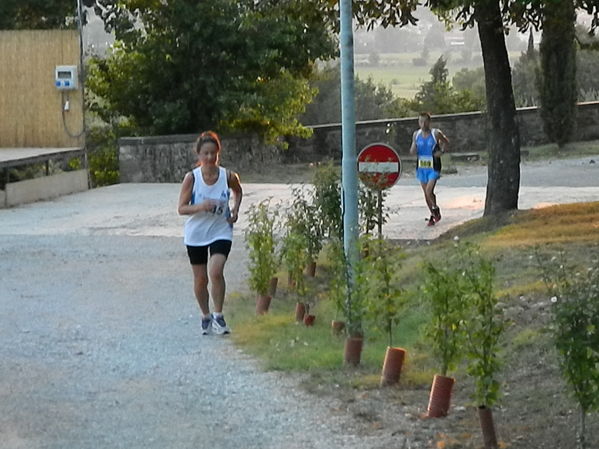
385,300
484,323
575,327
102,143
260,241
442,288
327,200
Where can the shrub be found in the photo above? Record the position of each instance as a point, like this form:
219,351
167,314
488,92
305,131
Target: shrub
260,241
575,327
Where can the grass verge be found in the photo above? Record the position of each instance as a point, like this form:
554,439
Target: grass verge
281,344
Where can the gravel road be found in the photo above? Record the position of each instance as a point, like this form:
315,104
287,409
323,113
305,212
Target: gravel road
100,343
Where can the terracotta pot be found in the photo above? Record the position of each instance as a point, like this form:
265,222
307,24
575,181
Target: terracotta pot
337,327
353,350
440,396
262,304
309,320
311,269
485,416
300,311
272,287
394,358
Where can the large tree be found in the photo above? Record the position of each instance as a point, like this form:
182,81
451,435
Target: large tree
184,65
558,71
492,17
37,14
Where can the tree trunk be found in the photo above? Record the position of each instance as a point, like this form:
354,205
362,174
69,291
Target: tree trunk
503,182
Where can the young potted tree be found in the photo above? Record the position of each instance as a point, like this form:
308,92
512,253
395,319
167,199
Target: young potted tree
304,215
326,198
295,256
442,291
385,302
260,241
484,325
575,319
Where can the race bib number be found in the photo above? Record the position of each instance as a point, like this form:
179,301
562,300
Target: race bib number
219,209
425,162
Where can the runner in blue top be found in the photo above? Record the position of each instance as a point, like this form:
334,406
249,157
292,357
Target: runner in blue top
429,143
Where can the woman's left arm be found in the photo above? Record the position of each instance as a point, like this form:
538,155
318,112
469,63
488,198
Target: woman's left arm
235,186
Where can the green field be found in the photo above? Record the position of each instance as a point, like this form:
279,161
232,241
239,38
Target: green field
397,71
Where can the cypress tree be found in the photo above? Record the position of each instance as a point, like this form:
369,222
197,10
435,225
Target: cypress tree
558,71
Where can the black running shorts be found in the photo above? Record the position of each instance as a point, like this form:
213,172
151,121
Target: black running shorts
198,255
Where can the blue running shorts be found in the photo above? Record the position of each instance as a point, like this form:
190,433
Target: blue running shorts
425,175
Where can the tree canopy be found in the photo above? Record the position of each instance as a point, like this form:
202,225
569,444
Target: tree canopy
182,65
37,14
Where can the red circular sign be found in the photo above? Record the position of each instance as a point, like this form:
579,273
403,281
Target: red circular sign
379,166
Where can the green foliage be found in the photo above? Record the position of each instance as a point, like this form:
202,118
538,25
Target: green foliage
385,300
349,299
295,257
558,72
442,288
338,283
183,65
575,326
37,14
373,101
439,97
368,209
524,79
102,144
261,243
587,81
327,200
484,324
303,218
472,80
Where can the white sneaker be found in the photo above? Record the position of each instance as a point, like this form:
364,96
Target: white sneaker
206,326
219,326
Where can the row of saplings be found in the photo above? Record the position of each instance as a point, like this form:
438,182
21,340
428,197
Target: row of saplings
466,317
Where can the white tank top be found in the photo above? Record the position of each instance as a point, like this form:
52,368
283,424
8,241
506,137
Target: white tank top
206,227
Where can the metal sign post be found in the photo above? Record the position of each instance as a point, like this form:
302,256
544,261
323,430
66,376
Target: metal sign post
379,168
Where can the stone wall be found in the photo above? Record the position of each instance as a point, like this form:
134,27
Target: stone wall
168,158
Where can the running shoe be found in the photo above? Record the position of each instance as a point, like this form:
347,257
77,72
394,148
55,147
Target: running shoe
431,221
437,214
219,326
206,325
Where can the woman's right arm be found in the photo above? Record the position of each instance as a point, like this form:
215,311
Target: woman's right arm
184,207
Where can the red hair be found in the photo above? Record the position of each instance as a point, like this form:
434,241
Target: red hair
208,137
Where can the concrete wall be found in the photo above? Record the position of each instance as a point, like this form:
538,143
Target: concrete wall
167,158
30,105
44,188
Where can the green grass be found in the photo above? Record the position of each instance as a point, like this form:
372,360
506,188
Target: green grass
552,151
397,71
283,345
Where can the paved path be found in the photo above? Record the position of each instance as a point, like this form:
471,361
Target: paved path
99,333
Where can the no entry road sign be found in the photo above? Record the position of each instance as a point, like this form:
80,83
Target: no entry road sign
379,166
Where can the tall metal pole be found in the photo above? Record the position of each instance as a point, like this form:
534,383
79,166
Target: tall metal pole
349,169
349,174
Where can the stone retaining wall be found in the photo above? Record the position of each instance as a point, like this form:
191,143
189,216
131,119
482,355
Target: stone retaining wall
168,158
